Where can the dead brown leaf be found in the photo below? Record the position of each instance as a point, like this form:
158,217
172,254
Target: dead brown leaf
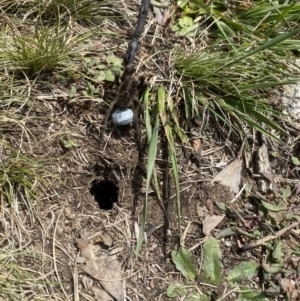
93,237
100,294
104,268
230,176
158,14
210,222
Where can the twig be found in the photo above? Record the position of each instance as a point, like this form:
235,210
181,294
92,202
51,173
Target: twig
262,241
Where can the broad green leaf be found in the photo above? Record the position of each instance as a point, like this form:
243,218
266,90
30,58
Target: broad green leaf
188,30
109,76
101,66
247,294
273,268
183,263
114,60
182,3
185,21
94,61
175,27
271,207
100,77
176,289
245,270
87,59
277,253
195,296
212,266
225,233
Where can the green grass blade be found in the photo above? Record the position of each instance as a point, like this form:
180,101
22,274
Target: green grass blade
147,115
152,151
172,153
265,45
177,186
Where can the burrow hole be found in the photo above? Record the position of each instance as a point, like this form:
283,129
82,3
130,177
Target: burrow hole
105,193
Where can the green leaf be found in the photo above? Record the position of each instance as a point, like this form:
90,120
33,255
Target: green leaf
176,289
101,66
109,76
93,61
247,294
286,193
225,233
195,296
272,207
183,263
100,77
66,142
175,27
188,30
273,268
113,60
185,21
182,3
245,270
212,266
295,161
277,254
72,91
221,206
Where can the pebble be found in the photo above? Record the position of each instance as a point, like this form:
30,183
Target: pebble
291,97
122,116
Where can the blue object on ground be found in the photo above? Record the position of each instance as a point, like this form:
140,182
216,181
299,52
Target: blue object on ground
122,116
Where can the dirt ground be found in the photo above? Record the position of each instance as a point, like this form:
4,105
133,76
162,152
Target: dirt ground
97,198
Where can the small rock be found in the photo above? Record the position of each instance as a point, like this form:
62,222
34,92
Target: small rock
122,116
291,97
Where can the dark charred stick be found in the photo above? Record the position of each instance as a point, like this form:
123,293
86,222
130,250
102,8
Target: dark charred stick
130,55
128,95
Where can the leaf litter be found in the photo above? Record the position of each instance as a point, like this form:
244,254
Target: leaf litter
230,176
92,259
100,265
210,222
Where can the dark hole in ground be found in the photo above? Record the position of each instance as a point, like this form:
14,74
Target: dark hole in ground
105,193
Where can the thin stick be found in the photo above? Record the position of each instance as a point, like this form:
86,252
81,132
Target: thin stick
262,241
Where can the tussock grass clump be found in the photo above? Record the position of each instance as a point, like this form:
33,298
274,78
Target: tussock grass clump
41,50
18,282
63,11
78,11
249,54
22,179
